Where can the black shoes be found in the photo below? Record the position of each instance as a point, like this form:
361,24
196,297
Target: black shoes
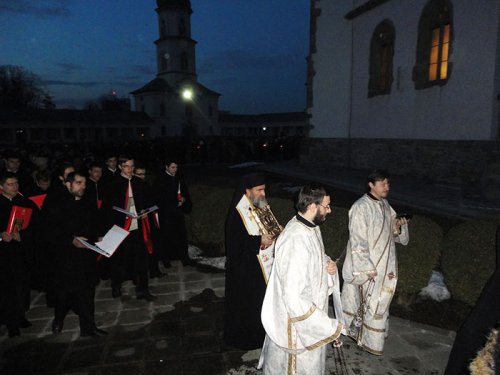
96,332
56,327
146,296
116,292
166,264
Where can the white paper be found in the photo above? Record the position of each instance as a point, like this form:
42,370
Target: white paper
110,242
136,215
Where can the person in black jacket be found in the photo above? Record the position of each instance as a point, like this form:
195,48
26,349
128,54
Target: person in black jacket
130,261
75,266
484,316
15,258
172,197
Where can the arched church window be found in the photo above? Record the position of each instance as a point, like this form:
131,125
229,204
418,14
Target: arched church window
381,56
184,61
435,34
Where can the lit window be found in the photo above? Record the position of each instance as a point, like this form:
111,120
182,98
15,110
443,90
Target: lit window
434,46
438,61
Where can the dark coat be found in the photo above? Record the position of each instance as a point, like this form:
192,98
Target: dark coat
75,268
173,235
15,264
474,331
245,286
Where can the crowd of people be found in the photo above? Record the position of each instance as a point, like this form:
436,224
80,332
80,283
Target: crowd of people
50,212
284,312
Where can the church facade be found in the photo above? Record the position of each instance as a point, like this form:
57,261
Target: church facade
174,99
412,86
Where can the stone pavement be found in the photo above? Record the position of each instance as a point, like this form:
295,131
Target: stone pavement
181,332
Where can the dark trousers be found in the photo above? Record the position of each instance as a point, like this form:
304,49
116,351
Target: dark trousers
130,261
81,301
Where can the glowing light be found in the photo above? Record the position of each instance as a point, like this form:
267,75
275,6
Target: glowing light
264,128
187,94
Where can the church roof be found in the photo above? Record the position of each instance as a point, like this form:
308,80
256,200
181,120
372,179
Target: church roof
205,90
156,85
174,4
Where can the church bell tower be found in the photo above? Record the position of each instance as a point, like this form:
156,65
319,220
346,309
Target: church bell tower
175,50
175,100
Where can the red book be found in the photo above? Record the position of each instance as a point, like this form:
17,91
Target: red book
19,219
38,199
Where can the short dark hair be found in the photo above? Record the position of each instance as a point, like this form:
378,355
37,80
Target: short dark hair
11,154
6,175
72,176
139,165
122,159
95,164
310,193
42,176
376,175
63,166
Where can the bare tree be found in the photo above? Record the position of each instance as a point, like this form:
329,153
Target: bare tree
21,88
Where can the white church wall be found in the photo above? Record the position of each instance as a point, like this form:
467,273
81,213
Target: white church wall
463,109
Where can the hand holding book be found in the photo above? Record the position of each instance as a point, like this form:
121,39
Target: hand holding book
134,215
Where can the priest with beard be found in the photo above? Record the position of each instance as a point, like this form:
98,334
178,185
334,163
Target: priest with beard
245,283
295,308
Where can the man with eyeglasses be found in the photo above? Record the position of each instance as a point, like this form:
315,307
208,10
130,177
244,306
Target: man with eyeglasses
295,308
370,269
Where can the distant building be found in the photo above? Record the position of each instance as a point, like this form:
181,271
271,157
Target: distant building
412,86
266,125
64,125
175,100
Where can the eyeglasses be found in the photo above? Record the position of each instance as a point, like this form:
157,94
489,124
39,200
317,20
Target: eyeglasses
326,207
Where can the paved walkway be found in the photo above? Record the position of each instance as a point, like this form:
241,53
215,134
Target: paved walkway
180,333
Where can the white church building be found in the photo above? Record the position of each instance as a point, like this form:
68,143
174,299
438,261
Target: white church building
409,85
175,100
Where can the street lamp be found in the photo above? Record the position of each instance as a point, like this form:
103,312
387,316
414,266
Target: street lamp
187,94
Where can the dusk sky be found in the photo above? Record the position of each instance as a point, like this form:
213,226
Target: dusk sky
253,52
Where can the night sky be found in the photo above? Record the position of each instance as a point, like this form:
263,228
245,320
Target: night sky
251,51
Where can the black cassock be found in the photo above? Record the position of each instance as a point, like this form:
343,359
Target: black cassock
130,261
15,263
245,286
472,335
75,269
173,235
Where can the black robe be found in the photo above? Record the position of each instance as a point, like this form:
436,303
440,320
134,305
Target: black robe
472,335
75,269
173,235
130,259
15,264
245,286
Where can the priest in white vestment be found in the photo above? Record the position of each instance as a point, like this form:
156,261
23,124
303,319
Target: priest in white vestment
295,308
370,270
